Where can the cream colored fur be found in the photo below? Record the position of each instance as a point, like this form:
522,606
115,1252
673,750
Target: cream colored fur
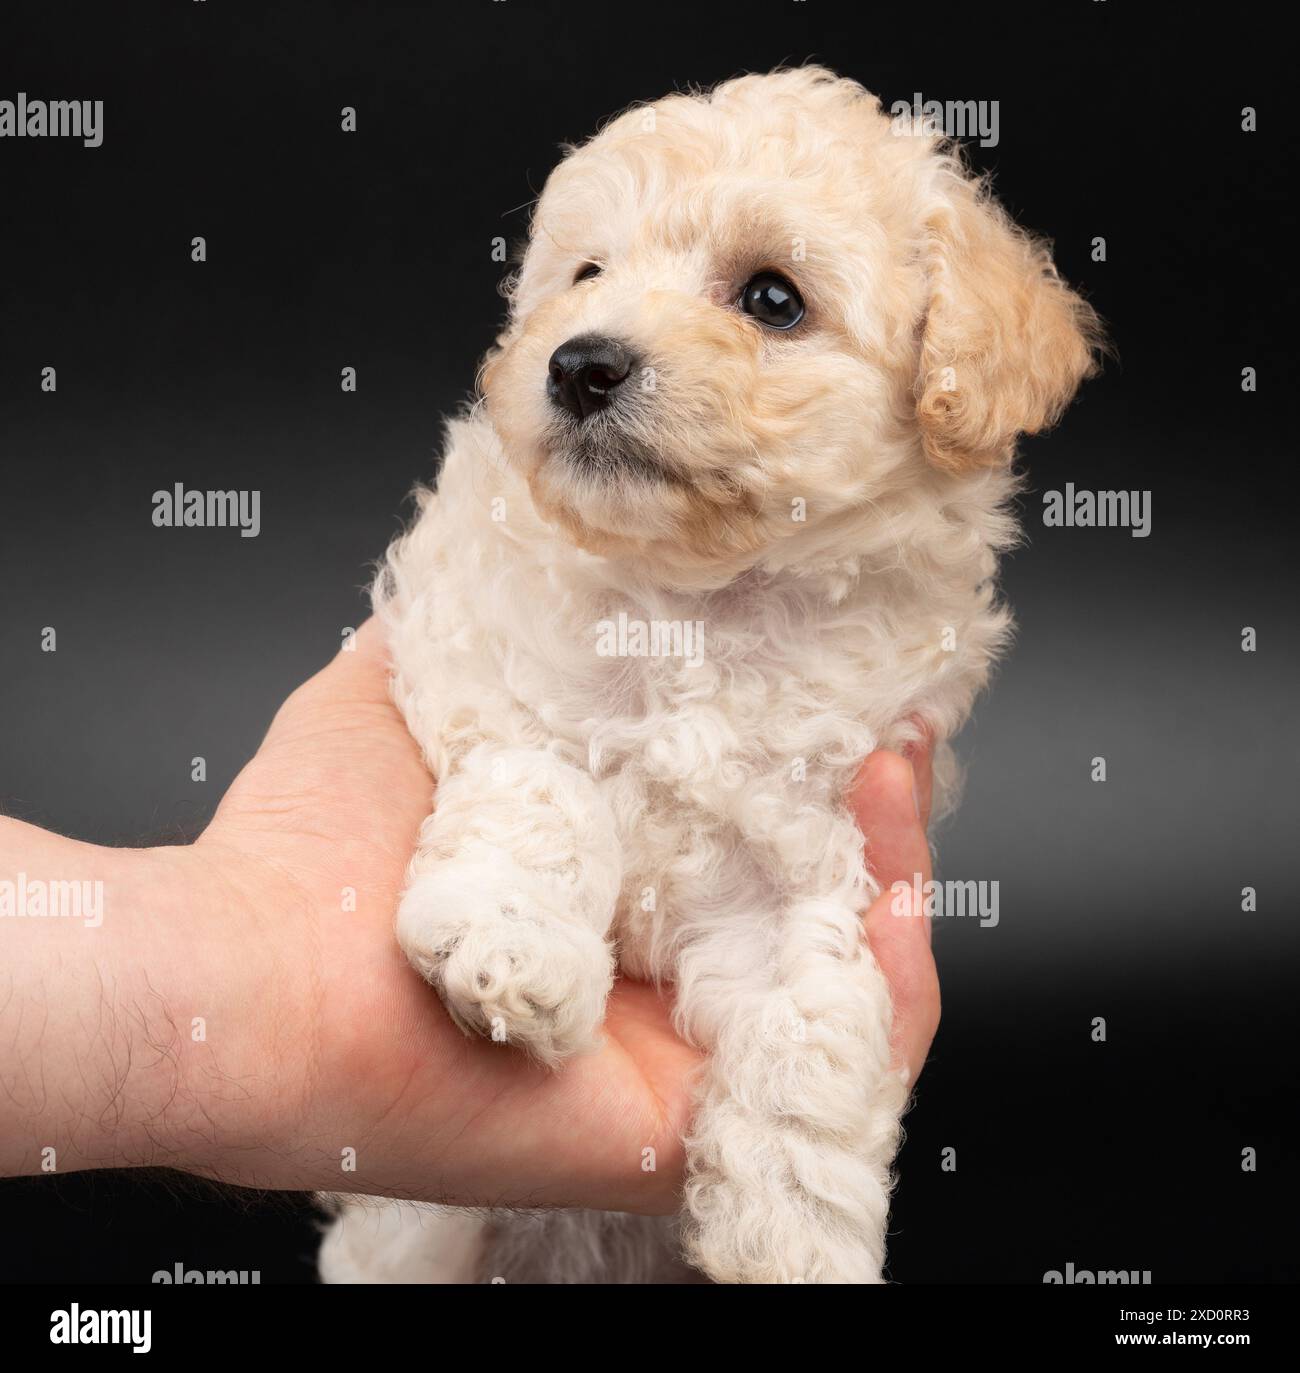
829,505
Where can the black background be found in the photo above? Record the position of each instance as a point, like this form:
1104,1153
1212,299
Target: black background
1119,899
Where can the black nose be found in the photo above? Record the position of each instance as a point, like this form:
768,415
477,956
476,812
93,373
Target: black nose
585,372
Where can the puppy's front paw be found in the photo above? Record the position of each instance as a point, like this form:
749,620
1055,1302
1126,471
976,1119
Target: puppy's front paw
506,960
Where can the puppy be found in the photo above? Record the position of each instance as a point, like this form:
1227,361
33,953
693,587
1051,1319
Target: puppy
726,519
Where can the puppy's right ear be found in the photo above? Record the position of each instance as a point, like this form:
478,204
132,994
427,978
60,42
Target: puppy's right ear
1004,343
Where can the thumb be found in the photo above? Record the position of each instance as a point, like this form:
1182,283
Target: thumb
899,856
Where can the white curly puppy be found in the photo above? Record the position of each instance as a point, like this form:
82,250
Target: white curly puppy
726,520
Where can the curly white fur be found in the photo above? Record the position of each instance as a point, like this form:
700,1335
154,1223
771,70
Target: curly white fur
829,506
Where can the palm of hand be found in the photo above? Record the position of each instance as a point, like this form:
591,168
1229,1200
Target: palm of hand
368,1060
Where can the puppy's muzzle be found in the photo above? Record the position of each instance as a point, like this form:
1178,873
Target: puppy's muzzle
585,373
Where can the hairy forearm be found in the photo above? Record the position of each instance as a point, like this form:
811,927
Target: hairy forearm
121,1042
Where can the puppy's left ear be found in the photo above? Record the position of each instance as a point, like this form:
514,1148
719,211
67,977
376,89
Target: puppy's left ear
1004,344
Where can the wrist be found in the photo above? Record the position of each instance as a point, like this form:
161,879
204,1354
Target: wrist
72,1021
127,1015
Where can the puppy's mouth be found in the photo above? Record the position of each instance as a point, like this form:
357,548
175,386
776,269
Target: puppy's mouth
602,454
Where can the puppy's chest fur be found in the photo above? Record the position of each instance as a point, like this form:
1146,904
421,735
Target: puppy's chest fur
723,727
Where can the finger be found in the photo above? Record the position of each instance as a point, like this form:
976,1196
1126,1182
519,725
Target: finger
357,674
921,757
361,664
902,949
885,805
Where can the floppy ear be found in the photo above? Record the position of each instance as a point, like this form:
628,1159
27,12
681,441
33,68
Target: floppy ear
1004,344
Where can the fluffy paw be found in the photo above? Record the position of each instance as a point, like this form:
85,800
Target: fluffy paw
507,960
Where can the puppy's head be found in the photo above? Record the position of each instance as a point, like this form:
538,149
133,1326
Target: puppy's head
743,316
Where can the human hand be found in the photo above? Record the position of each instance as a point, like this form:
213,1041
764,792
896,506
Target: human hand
891,803
326,1063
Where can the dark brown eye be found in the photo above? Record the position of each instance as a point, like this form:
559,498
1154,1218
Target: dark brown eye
586,271
772,301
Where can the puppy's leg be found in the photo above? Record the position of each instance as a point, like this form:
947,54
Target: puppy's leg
376,1240
510,897
584,1247
797,1123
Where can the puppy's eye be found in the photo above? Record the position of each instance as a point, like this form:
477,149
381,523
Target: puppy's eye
772,301
586,271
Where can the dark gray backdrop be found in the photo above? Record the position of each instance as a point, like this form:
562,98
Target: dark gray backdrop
1120,899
